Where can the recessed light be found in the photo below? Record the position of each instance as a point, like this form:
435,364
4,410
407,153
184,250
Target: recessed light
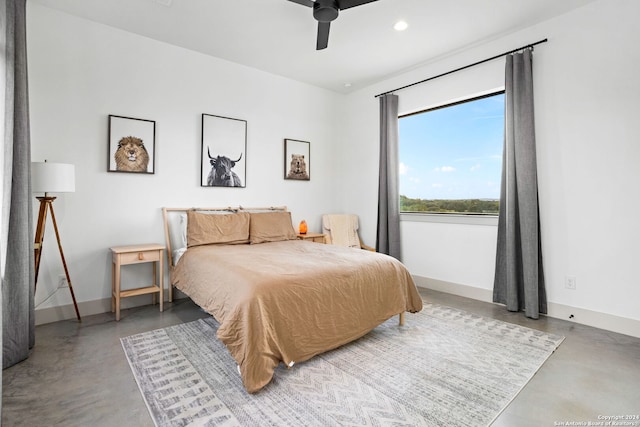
400,26
347,85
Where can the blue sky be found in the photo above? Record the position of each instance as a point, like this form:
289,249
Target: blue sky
453,152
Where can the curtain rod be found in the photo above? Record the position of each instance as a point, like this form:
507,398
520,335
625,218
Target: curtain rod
464,68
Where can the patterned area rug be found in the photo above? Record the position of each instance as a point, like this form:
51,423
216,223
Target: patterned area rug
445,367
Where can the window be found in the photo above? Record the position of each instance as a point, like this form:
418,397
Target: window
451,157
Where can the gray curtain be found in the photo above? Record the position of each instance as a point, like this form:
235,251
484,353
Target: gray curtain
519,278
388,235
18,322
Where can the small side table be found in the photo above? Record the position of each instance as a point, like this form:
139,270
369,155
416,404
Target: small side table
136,254
313,237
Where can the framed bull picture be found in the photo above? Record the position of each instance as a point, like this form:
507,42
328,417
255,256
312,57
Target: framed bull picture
224,152
297,163
132,145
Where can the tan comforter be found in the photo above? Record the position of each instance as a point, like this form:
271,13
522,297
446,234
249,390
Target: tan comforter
288,301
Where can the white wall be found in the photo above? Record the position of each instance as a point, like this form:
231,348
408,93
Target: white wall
80,72
586,91
587,127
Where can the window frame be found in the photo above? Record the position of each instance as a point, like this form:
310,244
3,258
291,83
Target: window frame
478,218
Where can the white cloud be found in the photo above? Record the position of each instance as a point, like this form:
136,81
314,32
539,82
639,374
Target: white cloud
403,169
475,167
445,169
436,185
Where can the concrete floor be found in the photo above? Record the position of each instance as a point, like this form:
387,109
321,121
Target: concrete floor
78,374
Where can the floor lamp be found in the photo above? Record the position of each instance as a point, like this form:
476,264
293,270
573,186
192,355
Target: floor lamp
51,178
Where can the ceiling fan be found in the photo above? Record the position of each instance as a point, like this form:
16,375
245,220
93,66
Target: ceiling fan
325,11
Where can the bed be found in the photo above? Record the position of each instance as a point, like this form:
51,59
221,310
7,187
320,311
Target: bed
279,299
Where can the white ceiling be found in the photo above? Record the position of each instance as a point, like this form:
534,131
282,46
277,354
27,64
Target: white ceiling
279,36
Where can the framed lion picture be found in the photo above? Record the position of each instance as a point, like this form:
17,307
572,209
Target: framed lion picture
297,161
132,145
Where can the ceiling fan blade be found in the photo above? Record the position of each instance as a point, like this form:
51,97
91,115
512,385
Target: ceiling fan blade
308,3
323,35
346,4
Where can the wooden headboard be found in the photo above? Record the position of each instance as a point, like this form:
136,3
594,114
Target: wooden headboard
171,220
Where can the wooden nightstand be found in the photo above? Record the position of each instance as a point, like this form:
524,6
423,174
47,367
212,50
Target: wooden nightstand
313,237
136,254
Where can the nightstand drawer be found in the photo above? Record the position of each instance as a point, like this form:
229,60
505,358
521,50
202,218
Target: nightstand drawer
141,256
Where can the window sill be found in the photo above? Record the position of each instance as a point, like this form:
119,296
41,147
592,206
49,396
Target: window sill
491,220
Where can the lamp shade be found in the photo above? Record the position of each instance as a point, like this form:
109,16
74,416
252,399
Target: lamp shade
52,177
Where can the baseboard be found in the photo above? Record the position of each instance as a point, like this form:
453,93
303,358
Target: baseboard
65,312
454,288
596,319
86,308
583,316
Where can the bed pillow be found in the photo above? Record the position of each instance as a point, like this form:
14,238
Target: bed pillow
204,229
182,239
271,227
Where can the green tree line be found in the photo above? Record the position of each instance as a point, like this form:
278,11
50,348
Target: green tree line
472,206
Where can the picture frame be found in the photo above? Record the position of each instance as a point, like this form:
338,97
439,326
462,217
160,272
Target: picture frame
297,160
224,152
131,145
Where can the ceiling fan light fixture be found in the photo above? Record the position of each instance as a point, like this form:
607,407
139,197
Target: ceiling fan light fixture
325,10
400,26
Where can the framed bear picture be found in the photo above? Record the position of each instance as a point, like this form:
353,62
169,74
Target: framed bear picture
297,162
132,145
